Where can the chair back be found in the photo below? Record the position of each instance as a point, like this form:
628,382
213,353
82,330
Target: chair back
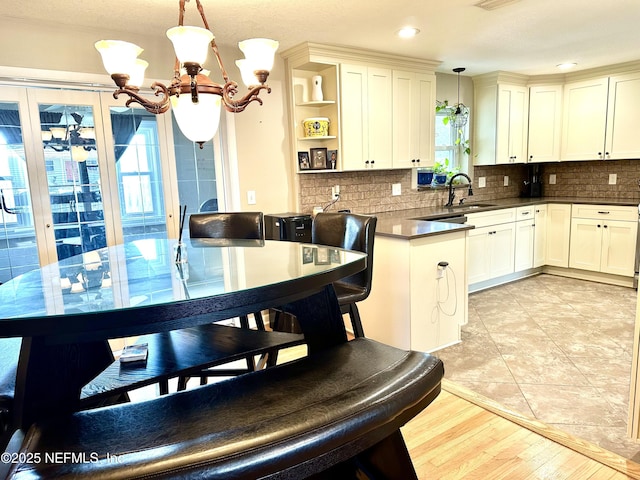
230,225
350,231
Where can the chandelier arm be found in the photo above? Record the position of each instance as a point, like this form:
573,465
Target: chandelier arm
213,44
153,107
236,106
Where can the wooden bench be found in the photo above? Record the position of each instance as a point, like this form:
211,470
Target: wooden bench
336,411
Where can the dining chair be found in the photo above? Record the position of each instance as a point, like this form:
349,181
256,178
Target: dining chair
232,226
352,232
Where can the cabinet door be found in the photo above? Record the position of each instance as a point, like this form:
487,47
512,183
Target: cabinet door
584,119
524,246
424,130
478,259
403,121
558,233
618,247
512,124
586,244
380,110
354,116
623,117
545,123
501,249
540,236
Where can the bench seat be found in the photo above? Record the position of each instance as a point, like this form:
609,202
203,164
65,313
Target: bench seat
289,421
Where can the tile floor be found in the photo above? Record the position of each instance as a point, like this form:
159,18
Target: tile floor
556,349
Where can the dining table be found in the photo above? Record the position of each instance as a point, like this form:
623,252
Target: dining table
66,312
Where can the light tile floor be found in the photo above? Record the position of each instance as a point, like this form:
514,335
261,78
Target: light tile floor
556,349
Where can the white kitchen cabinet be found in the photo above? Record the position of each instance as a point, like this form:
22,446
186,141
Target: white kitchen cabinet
603,239
545,123
524,238
623,117
409,306
413,119
491,245
558,228
501,119
366,102
540,236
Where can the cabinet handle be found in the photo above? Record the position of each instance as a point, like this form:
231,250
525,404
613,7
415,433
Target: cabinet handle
606,154
372,162
600,154
604,213
526,213
530,157
417,160
605,226
598,226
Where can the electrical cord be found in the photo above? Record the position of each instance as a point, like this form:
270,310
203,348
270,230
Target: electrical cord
331,203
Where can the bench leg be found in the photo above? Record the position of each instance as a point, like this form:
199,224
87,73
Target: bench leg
387,459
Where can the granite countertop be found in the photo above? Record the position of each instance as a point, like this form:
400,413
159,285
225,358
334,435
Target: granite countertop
421,222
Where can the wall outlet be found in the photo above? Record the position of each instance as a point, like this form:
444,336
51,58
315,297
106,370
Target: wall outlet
396,189
613,178
552,179
335,192
251,197
506,181
482,182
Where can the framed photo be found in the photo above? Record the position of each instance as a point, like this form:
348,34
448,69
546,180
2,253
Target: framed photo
334,256
321,256
318,158
307,255
303,161
332,159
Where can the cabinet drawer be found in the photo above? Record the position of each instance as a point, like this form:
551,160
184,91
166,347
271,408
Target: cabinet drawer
525,213
605,212
494,217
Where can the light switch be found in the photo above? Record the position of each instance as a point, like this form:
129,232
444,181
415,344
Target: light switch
251,197
506,180
613,178
482,182
552,179
396,189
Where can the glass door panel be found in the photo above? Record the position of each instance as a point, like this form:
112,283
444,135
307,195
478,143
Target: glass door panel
139,173
18,246
73,177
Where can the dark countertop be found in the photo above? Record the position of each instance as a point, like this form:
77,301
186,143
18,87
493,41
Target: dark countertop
419,222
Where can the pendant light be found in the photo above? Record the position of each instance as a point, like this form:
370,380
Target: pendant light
459,112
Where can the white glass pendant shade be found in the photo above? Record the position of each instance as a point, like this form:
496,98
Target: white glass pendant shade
259,52
87,133
190,43
58,132
137,74
197,121
46,135
79,154
118,56
246,72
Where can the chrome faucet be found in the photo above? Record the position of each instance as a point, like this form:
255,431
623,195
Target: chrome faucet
452,193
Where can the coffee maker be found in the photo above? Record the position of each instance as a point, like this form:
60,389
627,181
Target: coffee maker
533,185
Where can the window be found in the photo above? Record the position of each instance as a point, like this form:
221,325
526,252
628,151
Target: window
452,144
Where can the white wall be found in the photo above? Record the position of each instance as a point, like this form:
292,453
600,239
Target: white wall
264,160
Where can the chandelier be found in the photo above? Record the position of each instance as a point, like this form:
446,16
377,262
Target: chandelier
195,99
75,138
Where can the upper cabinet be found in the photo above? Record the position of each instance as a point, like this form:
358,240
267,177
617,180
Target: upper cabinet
601,117
366,101
413,119
501,119
545,123
380,107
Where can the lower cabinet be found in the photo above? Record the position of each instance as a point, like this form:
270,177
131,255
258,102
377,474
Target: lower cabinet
558,226
539,235
525,238
603,239
491,244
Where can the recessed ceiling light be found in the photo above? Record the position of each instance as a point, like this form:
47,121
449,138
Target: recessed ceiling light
494,4
407,32
566,66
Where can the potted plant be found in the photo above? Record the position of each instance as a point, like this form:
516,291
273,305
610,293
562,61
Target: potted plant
440,172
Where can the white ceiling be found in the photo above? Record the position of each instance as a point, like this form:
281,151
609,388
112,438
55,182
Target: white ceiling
529,36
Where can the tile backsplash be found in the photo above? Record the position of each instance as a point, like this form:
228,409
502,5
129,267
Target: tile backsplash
371,191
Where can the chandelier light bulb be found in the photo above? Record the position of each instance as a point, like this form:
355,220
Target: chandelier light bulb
118,57
259,53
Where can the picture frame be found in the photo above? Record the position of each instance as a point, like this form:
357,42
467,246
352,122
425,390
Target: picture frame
318,158
307,255
332,159
321,256
334,256
303,161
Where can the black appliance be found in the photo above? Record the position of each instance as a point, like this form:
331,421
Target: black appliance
533,184
292,227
